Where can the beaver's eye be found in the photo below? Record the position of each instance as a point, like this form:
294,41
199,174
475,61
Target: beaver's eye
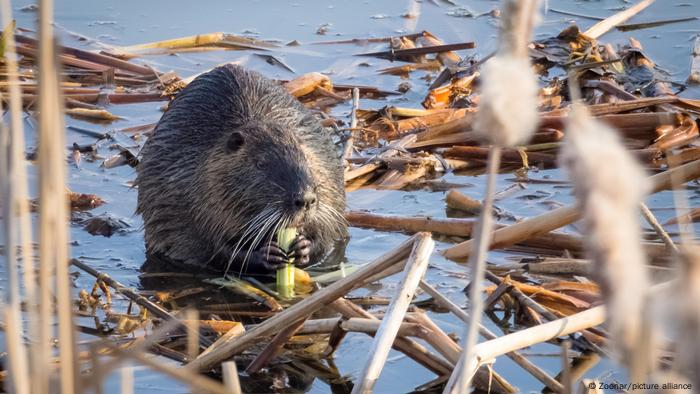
234,143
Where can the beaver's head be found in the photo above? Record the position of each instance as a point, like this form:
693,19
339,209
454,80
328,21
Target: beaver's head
277,173
262,177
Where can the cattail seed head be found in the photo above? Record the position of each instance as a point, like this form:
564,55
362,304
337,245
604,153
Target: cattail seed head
609,186
507,113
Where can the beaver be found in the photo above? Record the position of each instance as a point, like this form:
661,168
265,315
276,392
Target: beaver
234,159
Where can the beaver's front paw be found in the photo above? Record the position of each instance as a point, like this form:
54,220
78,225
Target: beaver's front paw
300,250
269,257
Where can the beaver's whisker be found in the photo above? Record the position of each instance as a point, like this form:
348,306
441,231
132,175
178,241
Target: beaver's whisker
245,238
269,212
271,234
253,229
256,240
282,220
251,223
332,217
333,211
280,187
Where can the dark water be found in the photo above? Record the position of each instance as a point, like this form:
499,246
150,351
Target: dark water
132,22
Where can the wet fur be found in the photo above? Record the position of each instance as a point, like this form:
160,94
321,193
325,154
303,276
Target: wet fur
201,202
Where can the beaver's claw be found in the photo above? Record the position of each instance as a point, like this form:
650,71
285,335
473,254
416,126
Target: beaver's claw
300,250
271,256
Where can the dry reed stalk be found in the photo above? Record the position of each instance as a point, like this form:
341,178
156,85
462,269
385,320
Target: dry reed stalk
53,221
465,227
140,345
582,364
126,374
390,151
196,381
221,350
435,336
131,294
16,351
17,229
412,349
416,121
218,40
694,77
563,216
565,375
660,231
629,105
518,358
605,25
560,266
640,125
413,272
395,179
448,59
347,150
307,83
192,317
508,156
274,346
438,127
485,352
230,372
356,324
525,300
18,367
457,200
458,227
609,187
94,57
370,326
543,136
229,336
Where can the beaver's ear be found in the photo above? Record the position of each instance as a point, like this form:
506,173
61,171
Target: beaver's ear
235,142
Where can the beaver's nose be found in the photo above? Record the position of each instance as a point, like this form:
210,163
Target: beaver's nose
305,200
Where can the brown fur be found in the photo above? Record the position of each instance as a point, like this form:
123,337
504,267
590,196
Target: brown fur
224,165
